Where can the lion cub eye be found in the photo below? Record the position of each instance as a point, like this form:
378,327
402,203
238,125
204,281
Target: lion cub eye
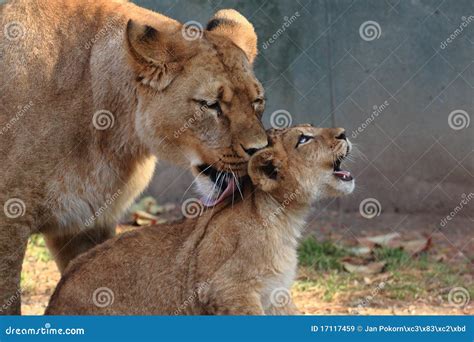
303,139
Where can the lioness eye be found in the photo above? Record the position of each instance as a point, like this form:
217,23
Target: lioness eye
215,106
211,105
303,139
259,105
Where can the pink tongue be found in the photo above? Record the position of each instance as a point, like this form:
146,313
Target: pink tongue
342,173
231,186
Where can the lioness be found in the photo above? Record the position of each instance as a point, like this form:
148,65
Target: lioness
236,259
92,92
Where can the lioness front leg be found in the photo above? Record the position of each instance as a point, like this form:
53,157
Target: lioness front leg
13,241
66,247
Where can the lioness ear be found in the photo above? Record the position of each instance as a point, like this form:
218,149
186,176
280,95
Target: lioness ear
263,169
236,27
156,57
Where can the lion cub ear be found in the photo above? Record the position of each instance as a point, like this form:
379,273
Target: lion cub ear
263,170
156,57
237,28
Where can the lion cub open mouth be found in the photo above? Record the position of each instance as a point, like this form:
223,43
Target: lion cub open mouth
343,175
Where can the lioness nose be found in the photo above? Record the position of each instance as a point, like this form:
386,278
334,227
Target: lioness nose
342,136
250,150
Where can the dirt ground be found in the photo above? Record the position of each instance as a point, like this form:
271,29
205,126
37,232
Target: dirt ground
413,286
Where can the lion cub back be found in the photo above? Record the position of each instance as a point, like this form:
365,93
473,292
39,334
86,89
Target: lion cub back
123,275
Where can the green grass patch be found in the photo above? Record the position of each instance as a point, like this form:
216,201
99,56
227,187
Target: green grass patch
321,256
394,257
37,248
408,277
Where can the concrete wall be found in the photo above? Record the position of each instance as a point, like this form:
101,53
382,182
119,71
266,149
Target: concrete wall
323,69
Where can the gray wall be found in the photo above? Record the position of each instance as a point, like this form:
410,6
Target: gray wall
321,71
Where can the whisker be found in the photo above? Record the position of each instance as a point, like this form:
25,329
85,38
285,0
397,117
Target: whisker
220,187
237,183
195,179
212,194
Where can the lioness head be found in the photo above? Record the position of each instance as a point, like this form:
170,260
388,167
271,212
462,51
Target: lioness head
199,102
304,160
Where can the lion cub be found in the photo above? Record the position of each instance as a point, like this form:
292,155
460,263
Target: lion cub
238,258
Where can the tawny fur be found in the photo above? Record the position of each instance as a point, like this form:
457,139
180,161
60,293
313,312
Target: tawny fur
64,61
236,259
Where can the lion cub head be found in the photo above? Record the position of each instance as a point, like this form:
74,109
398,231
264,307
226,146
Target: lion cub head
199,102
305,160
